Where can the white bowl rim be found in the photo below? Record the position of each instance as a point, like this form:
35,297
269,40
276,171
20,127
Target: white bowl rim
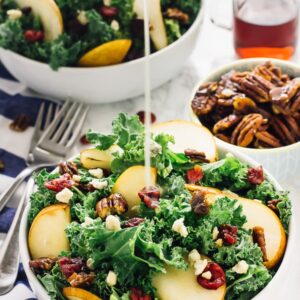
276,280
191,29
232,65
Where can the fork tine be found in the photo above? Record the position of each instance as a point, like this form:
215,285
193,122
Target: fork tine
77,129
64,124
49,115
71,125
37,126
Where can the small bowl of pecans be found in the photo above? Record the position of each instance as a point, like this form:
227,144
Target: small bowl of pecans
254,106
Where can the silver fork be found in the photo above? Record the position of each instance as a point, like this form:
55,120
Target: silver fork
53,146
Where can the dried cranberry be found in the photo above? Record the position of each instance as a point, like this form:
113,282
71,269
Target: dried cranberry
33,36
60,183
256,175
134,222
142,116
217,277
84,140
150,196
228,234
108,11
138,294
70,265
194,175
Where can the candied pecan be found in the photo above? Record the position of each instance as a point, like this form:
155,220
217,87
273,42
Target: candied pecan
177,14
81,279
194,175
244,105
198,203
68,167
258,235
245,131
42,264
217,279
70,265
196,155
228,234
150,196
138,294
223,137
20,123
256,175
272,204
282,130
226,123
114,204
133,222
2,165
267,139
58,184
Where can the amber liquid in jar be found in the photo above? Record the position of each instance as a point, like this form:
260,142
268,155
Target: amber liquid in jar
256,39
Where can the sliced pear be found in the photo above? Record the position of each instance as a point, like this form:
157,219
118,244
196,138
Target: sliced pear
158,31
257,214
180,284
107,54
95,158
47,237
72,293
131,181
188,135
49,14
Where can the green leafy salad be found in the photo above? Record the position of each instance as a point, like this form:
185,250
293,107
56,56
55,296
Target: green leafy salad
200,230
62,32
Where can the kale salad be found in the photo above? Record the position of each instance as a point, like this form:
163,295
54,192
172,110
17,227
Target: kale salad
61,32
97,232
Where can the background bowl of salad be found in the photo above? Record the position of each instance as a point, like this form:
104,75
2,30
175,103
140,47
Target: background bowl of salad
104,248
281,157
92,51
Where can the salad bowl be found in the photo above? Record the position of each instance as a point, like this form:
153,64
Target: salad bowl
108,83
270,291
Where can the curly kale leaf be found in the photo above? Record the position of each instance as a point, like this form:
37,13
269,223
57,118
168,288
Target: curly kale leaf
173,30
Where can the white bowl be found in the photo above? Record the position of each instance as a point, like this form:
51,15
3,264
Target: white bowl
103,84
266,293
283,162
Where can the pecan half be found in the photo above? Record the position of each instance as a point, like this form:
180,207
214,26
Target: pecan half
20,123
150,196
198,203
258,235
244,105
42,264
227,122
267,140
177,14
81,279
196,155
272,204
68,167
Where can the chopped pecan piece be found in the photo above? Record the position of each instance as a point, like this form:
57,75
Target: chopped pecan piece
245,131
42,264
272,204
114,204
198,203
258,235
150,196
81,279
177,14
68,167
226,123
133,222
196,155
194,175
2,165
20,124
58,184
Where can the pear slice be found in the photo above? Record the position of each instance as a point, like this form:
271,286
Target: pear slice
257,214
158,31
49,14
131,181
188,135
73,293
47,237
95,158
180,284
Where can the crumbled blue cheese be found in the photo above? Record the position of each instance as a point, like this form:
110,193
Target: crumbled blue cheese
90,263
112,223
111,278
14,14
241,267
107,2
179,227
76,178
115,25
219,243
194,256
87,221
215,233
64,196
81,17
98,173
99,185
200,266
207,275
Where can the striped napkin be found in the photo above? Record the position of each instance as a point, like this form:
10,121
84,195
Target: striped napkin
13,151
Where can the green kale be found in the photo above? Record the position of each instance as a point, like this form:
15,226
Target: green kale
173,30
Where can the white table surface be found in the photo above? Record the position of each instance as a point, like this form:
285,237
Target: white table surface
214,48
